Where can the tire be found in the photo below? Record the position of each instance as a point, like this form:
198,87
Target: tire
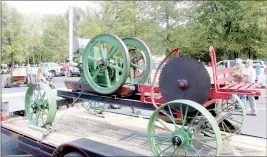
74,154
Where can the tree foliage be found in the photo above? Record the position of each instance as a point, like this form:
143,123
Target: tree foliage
234,28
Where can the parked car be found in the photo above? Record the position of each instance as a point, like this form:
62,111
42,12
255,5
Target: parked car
73,71
54,68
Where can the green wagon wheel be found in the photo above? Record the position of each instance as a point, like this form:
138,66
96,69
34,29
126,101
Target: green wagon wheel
95,107
112,63
170,139
230,116
140,59
40,104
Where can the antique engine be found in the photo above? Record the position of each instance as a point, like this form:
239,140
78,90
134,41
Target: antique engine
108,62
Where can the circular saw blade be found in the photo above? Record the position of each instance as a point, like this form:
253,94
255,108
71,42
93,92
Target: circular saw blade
194,74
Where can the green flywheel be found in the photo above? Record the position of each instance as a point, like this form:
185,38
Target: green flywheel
106,63
40,104
140,59
187,139
95,107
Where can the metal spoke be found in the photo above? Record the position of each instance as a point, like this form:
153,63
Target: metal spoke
171,145
172,116
162,141
107,78
202,138
162,123
95,74
182,118
223,127
198,125
192,120
186,153
42,97
161,137
234,120
134,56
112,51
101,49
186,111
115,67
205,144
173,121
93,59
174,151
137,66
195,150
226,127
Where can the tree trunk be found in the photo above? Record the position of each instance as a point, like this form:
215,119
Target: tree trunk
33,58
225,55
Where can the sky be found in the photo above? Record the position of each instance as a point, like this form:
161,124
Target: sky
48,7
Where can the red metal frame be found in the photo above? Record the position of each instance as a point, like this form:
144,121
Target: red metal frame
222,88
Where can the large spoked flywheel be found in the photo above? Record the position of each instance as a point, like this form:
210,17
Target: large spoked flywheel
106,63
40,104
140,56
187,139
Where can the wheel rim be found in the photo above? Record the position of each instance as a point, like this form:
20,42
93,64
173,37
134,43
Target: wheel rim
229,118
95,107
173,140
140,59
114,58
40,104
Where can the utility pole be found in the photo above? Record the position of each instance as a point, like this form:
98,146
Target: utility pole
70,33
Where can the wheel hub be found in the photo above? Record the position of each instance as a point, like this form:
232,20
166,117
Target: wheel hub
183,84
181,138
102,63
177,141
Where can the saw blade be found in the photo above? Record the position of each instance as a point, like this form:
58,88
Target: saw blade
184,78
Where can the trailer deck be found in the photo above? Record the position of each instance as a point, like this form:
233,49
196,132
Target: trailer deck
120,131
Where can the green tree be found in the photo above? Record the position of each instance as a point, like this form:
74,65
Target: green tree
13,39
54,41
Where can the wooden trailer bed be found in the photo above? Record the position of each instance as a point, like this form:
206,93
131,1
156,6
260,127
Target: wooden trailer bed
125,132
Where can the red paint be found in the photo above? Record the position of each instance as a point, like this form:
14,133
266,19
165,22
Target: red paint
178,114
3,117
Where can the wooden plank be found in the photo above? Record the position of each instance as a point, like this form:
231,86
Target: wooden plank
254,86
224,80
245,86
230,85
121,131
223,71
240,84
